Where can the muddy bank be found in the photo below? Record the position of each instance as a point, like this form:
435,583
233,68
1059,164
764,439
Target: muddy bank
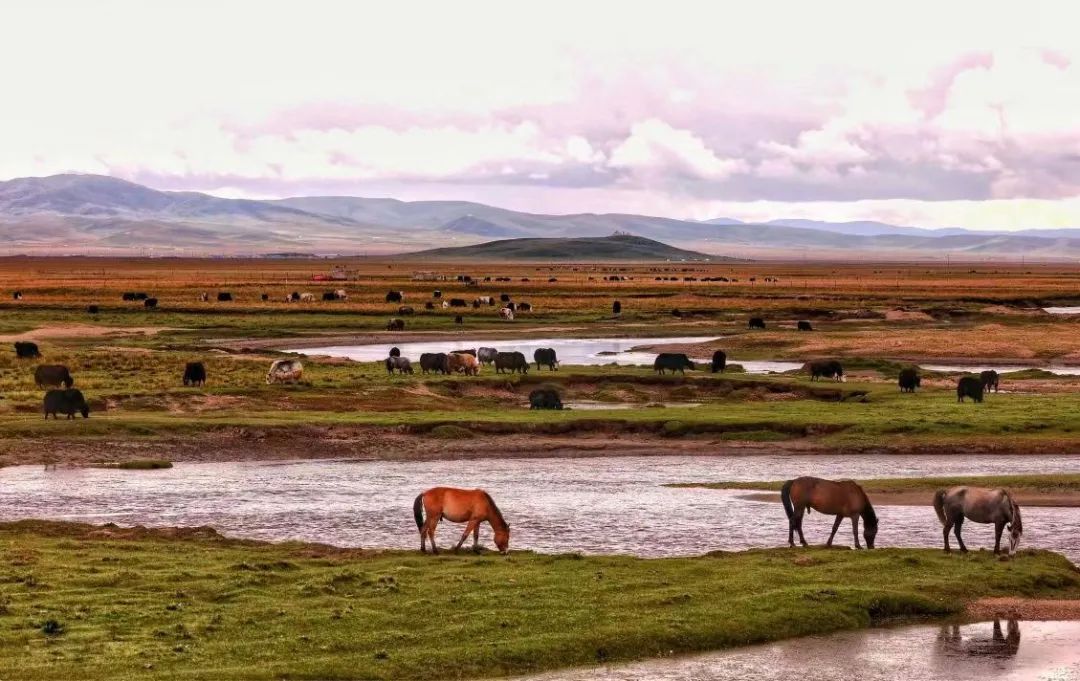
1023,609
1024,498
394,444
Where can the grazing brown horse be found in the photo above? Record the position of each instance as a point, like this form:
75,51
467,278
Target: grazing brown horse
982,506
844,499
472,506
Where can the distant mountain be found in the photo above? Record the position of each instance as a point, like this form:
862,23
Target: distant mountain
620,247
91,214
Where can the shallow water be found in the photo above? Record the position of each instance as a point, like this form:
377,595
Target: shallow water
974,369
1062,310
1017,651
590,505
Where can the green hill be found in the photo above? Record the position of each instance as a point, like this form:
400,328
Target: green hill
620,247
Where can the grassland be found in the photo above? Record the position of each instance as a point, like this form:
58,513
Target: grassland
89,602
128,360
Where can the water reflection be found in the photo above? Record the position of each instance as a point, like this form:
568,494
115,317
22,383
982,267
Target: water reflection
970,652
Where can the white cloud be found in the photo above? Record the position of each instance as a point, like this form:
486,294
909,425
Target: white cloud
654,148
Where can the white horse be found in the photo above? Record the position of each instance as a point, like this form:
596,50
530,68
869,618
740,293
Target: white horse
982,506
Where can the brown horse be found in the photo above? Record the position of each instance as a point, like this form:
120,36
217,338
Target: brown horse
982,506
844,499
472,506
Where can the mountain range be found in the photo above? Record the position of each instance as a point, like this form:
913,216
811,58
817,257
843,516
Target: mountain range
94,214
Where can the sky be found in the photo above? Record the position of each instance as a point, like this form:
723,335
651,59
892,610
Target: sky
924,113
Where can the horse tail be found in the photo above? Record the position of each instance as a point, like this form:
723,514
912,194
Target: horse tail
418,511
939,505
785,497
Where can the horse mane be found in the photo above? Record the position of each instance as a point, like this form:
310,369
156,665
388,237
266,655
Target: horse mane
495,509
869,516
1017,523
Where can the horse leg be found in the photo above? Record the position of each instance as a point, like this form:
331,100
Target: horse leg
429,528
799,514
835,527
956,531
476,539
946,528
855,530
472,526
999,526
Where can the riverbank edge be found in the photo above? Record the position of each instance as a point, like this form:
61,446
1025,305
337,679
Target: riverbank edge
1037,578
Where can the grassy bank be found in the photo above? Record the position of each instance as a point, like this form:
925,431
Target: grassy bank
1055,483
93,603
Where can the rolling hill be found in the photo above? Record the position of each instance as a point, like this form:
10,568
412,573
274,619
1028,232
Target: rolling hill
93,214
618,247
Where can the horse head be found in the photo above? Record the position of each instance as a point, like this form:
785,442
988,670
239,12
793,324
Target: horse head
502,539
870,528
1016,527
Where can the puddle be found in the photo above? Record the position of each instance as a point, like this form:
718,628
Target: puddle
592,505
1002,650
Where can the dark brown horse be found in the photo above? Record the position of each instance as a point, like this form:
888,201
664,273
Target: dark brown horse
844,499
472,506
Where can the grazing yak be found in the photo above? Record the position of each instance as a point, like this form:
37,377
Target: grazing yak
486,355
989,380
224,297
468,351
395,325
405,310
909,379
395,297
546,357
545,398
524,307
458,302
128,296
672,361
53,376
719,362
616,308
804,325
460,362
756,323
329,296
969,386
827,368
204,297
433,361
504,297
307,297
68,402
294,297
92,309
429,305
395,352
264,297
402,364
26,350
150,303
285,371
483,300
436,293
17,295
512,362
507,314
340,294
194,373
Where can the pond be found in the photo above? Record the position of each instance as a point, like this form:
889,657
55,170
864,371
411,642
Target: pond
1000,650
591,505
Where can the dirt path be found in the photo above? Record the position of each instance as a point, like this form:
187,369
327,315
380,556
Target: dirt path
84,331
1023,609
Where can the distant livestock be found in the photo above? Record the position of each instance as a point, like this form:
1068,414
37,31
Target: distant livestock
507,314
264,297
395,297
989,380
395,325
969,386
672,361
26,350
329,296
340,294
616,308
504,297
436,293
458,302
150,303
68,402
17,295
459,362
128,296
204,297
92,309
285,371
469,351
484,300
224,297
514,362
429,305
524,307
433,361
909,379
53,376
719,362
545,398
294,296
546,357
395,352
828,368
194,374
307,297
804,326
401,364
756,323
486,355
405,310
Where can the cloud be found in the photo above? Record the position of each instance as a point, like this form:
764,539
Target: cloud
655,149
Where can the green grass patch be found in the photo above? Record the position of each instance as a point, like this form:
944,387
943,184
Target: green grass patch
104,603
